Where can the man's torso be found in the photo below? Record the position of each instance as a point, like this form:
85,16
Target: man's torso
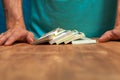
93,17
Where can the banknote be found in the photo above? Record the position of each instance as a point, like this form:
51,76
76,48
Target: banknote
49,36
62,36
84,41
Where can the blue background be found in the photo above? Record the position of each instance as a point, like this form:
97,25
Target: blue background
26,11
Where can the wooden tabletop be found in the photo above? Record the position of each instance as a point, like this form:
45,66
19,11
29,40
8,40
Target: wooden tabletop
60,62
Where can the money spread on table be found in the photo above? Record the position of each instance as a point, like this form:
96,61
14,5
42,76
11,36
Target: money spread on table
62,36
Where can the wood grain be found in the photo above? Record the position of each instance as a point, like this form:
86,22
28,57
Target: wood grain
60,62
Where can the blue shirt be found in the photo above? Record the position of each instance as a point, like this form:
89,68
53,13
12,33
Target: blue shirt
93,17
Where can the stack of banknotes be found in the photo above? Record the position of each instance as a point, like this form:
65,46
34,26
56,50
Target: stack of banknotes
62,36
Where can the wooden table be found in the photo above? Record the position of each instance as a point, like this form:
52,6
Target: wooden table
60,62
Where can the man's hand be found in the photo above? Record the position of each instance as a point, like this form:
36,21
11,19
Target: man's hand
16,30
16,34
110,35
115,33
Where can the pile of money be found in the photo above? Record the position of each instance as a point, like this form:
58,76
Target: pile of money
62,36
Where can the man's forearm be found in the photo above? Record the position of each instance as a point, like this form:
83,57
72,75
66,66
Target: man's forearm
16,30
13,12
117,23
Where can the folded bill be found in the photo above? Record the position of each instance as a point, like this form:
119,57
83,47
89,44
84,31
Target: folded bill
49,36
84,41
60,35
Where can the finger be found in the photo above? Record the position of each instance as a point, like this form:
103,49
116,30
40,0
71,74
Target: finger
106,36
3,38
30,37
1,35
10,40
